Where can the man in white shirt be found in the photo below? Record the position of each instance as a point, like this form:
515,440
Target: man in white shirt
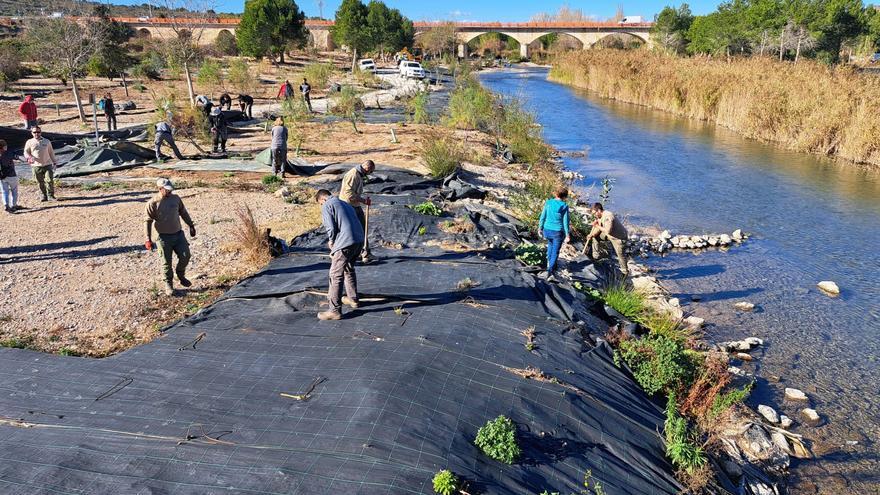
39,153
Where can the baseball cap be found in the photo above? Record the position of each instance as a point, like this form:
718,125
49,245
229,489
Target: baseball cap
166,183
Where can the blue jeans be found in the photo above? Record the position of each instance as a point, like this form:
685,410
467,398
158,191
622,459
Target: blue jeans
554,244
9,189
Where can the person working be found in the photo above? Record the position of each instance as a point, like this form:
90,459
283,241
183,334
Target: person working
109,111
553,226
352,192
164,211
225,101
39,153
278,148
346,238
246,104
606,228
164,134
306,89
28,112
285,91
219,129
8,179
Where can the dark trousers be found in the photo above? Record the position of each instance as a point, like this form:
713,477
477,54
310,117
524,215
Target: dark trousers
164,137
246,108
220,140
342,274
362,217
279,160
554,244
174,244
308,101
111,121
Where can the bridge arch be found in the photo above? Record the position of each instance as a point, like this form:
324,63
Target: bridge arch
556,41
144,33
605,37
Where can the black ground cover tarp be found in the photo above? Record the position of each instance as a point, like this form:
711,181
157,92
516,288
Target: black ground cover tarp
376,403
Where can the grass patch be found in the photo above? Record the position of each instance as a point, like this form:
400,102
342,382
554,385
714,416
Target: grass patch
441,154
682,447
67,351
625,301
497,439
460,225
726,400
24,342
418,108
319,74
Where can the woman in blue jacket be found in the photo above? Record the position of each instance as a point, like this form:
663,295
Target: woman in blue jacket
553,226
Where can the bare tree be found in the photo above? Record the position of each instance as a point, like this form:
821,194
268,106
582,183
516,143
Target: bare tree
803,41
439,38
181,32
64,46
564,14
619,15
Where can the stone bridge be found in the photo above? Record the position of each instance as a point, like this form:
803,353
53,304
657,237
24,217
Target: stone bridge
586,33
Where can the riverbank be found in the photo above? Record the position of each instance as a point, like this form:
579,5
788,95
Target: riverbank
804,107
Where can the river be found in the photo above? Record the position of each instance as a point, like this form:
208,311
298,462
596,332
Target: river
811,220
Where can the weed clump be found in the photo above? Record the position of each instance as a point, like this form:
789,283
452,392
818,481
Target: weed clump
441,154
251,241
497,439
681,444
627,302
445,483
428,208
530,254
659,363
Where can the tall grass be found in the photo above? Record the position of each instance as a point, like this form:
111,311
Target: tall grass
441,154
250,240
319,74
807,107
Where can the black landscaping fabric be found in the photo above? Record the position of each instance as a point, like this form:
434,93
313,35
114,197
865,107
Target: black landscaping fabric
376,403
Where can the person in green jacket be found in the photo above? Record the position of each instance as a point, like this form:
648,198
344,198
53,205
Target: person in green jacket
553,226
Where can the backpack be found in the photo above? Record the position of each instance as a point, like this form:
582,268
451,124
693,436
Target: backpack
101,104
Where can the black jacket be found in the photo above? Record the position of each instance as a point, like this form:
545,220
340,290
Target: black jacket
7,168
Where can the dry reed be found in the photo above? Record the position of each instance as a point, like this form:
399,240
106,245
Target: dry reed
249,239
807,107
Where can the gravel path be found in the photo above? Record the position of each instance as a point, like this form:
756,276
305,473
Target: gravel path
76,277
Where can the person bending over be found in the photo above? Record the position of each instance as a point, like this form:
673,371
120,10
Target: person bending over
607,229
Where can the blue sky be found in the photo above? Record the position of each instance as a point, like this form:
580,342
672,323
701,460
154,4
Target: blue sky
486,10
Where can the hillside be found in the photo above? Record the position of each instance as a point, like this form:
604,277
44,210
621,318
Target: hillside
17,8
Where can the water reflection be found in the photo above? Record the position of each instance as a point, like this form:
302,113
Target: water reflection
812,219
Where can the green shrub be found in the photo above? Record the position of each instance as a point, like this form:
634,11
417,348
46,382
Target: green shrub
726,400
428,208
658,363
348,104
210,73
625,301
423,230
497,439
319,74
530,254
681,444
442,155
240,76
659,323
445,483
523,135
418,108
472,106
271,179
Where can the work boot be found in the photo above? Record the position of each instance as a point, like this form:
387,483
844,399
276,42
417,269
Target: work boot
367,258
44,199
330,315
353,303
53,198
183,280
169,288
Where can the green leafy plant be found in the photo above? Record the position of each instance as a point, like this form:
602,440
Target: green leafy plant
497,439
681,444
423,230
587,290
428,208
530,254
445,483
270,179
67,351
319,74
348,104
657,362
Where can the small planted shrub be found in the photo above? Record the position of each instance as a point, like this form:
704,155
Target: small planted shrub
270,179
418,108
625,301
445,483
441,154
681,444
428,208
497,439
530,254
657,362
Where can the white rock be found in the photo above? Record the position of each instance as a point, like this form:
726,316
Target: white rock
780,441
795,394
282,192
737,235
754,341
665,235
768,413
696,239
785,421
744,306
724,239
713,241
691,244
810,416
759,488
694,321
829,287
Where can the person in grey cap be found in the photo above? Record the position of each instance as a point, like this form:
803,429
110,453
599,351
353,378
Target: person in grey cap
164,135
164,211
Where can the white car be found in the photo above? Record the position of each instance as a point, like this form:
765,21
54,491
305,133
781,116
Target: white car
412,69
367,65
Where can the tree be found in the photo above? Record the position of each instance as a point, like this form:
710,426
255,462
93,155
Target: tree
64,47
185,22
837,22
10,62
226,44
351,28
111,59
389,30
671,27
438,39
268,26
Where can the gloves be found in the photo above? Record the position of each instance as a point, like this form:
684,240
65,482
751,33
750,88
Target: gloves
567,239
149,245
368,201
192,230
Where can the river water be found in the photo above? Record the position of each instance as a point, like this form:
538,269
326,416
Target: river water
811,220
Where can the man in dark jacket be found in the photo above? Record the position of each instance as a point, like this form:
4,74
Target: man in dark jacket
246,103
225,101
8,180
220,129
346,238
306,89
110,112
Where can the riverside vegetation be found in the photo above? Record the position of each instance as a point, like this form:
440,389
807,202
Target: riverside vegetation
807,107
